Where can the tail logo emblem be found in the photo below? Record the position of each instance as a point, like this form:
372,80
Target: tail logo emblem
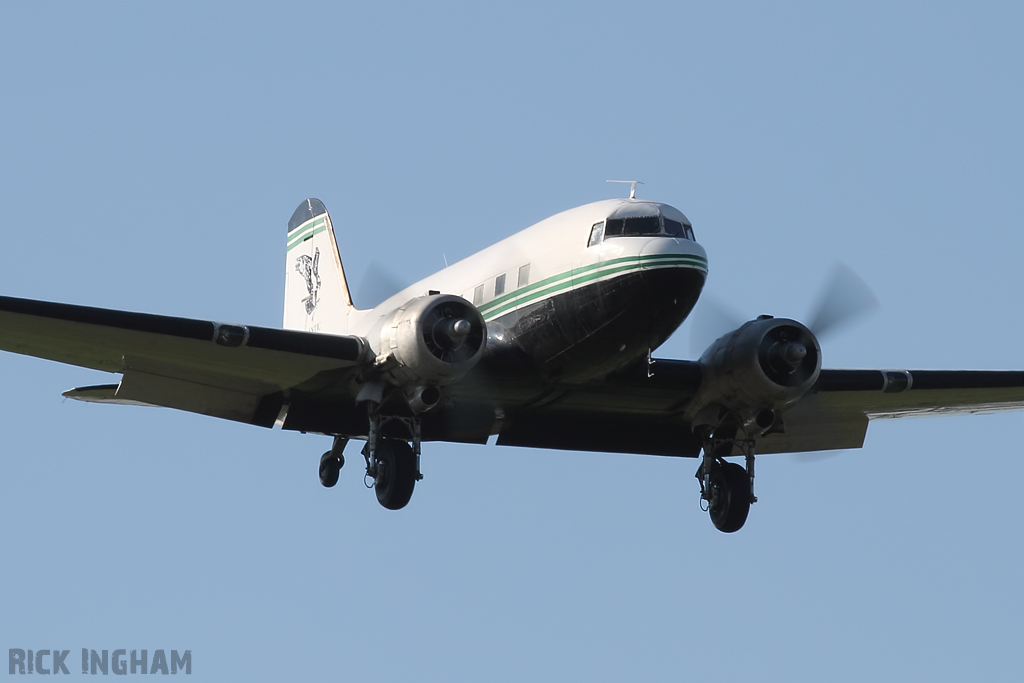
309,269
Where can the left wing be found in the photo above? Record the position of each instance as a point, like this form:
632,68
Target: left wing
836,412
237,372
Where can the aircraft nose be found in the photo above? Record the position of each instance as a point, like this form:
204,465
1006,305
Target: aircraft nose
658,251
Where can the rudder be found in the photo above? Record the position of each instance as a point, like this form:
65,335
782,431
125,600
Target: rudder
316,294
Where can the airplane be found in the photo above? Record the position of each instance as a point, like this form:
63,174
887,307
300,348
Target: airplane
543,340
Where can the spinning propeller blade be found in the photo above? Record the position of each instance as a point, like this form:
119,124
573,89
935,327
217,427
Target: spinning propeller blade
711,319
377,284
844,297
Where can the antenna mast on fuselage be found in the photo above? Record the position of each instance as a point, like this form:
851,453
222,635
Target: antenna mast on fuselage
632,186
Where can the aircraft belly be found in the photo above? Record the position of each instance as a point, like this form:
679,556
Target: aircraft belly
599,327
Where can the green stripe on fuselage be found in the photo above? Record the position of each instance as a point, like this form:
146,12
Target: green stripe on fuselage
639,262
566,281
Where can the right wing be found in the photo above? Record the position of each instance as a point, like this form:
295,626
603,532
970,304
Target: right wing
237,372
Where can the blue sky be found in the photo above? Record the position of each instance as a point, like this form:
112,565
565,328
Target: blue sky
150,157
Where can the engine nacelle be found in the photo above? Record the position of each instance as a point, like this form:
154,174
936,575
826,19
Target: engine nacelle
764,365
431,340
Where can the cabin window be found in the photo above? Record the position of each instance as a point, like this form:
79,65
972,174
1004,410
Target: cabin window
596,234
478,295
524,275
499,285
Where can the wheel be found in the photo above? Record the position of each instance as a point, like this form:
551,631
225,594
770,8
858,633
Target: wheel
330,468
730,497
396,474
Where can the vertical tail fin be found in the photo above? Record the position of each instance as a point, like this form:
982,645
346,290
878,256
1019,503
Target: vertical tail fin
316,296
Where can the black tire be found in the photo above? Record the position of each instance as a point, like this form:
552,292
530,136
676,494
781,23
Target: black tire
330,468
730,497
396,474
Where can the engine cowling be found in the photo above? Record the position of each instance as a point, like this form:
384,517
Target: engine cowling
431,340
764,365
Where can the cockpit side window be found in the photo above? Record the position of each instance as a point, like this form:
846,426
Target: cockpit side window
613,227
596,234
674,228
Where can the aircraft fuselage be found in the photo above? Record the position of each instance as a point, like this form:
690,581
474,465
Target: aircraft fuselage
571,299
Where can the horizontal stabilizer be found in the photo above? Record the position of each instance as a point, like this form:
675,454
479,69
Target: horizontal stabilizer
101,393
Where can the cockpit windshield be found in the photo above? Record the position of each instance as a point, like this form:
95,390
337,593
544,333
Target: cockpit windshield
635,218
646,226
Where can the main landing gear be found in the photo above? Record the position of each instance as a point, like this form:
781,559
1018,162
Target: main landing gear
394,473
726,487
392,465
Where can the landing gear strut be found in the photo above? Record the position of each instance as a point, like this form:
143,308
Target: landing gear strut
727,487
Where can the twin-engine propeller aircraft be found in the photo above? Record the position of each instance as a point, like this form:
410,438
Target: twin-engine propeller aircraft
543,339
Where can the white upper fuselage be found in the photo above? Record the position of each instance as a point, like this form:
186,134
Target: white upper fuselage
548,258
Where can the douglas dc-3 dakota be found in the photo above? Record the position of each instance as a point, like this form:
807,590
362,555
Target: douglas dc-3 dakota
543,339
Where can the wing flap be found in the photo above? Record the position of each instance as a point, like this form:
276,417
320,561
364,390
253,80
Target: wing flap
205,399
816,425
